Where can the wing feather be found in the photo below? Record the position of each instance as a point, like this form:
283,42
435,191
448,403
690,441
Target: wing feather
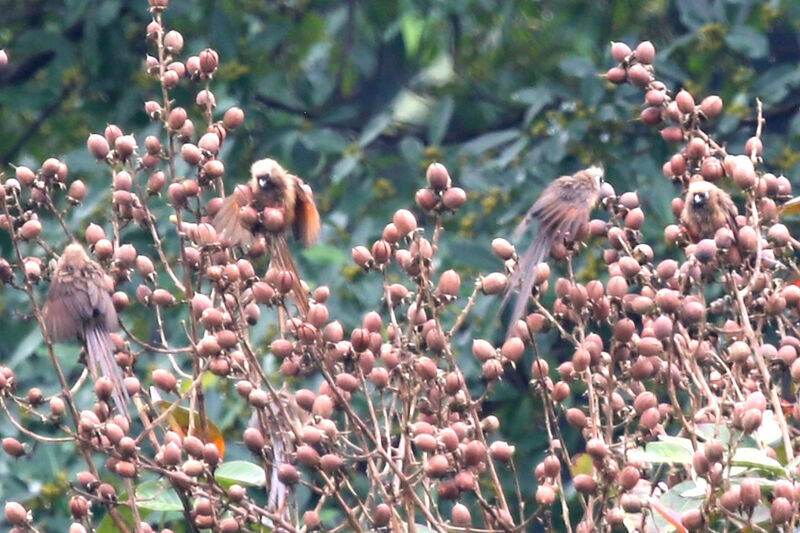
306,226
229,225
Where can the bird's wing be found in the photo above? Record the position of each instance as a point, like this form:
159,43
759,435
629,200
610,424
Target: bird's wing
228,224
306,225
730,215
68,306
100,300
60,322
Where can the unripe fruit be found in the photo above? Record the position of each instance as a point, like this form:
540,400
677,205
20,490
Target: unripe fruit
685,101
208,60
77,190
438,177
779,234
454,198
638,75
233,118
30,230
330,462
164,380
494,283
545,495
450,283
13,447
645,52
97,146
750,493
173,41
711,106
405,221
744,172
288,474
692,519
584,484
672,134
16,514
616,75
437,466
513,349
576,418
253,439
461,515
781,510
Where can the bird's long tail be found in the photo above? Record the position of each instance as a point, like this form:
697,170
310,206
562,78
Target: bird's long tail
526,273
100,353
282,259
278,495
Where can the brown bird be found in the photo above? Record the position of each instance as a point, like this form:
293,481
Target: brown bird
271,203
562,212
706,209
79,305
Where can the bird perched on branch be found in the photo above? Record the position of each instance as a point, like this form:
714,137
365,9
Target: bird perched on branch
706,209
79,305
270,204
562,212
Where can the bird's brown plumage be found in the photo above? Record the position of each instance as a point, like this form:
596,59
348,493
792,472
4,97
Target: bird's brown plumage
562,212
270,185
79,305
706,209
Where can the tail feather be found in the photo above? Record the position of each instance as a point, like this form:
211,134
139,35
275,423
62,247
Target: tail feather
526,272
282,257
101,356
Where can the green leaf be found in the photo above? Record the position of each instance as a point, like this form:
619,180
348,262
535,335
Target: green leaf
157,495
374,128
241,472
755,458
326,255
440,119
578,67
107,525
411,27
670,450
325,140
708,431
678,499
344,167
748,41
769,432
488,141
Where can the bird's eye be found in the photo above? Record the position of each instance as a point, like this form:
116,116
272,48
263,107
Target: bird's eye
264,182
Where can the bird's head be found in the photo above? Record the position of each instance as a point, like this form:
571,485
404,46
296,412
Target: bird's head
700,193
268,174
597,173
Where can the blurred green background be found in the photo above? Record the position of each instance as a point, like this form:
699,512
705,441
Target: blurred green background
357,98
